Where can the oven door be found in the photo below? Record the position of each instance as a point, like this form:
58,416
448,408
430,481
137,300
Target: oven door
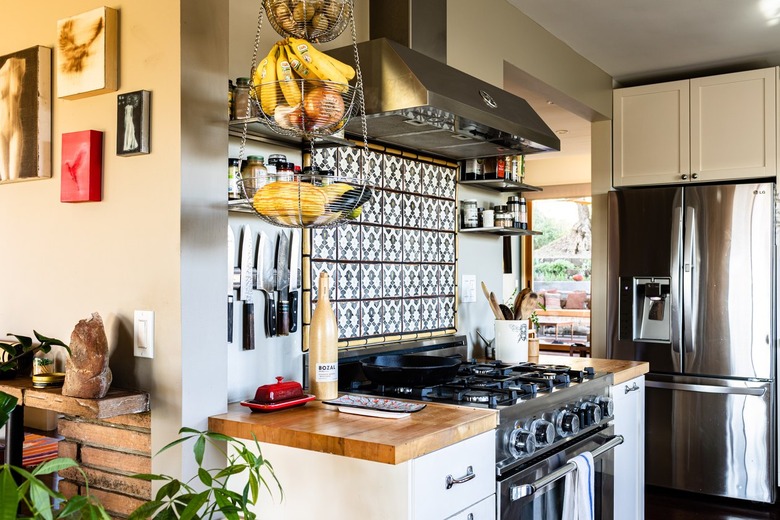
535,492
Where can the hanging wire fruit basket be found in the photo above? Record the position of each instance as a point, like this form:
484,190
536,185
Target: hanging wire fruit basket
305,200
305,108
305,93
314,20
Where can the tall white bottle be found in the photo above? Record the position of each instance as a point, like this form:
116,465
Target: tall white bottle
323,346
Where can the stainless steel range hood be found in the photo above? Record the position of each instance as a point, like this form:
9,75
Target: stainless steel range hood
416,102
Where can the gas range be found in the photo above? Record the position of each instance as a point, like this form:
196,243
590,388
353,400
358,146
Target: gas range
541,408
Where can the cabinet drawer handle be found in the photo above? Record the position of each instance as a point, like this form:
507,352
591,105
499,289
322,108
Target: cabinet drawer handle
684,177
465,478
631,389
694,176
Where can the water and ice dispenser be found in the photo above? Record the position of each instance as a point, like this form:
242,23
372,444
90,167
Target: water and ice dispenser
645,309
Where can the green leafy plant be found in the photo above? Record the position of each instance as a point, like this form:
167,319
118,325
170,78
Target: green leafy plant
553,271
37,499
207,494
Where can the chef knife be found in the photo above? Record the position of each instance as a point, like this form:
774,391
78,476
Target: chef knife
245,291
230,266
262,284
295,278
283,284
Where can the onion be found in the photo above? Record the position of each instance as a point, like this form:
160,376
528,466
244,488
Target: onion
323,107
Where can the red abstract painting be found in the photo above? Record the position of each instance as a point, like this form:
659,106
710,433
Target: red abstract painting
82,166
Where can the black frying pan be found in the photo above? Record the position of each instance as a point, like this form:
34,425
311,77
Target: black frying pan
410,369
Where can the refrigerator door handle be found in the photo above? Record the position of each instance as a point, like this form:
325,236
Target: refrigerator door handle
707,389
688,273
677,226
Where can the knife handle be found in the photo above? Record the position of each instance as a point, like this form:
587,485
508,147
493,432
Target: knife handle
270,315
230,318
249,326
283,322
293,311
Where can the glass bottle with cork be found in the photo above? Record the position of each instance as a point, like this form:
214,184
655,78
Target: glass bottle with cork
323,345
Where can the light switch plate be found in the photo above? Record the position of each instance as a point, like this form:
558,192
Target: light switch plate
143,334
468,292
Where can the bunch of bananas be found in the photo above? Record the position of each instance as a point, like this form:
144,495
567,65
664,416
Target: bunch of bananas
310,82
295,203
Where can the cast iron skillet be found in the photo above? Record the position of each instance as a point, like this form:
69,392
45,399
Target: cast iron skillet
410,369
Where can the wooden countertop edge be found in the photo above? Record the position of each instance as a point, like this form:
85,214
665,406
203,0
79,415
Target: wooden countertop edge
317,427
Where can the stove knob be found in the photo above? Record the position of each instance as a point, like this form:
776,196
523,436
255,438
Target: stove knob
607,406
522,443
544,432
569,424
591,414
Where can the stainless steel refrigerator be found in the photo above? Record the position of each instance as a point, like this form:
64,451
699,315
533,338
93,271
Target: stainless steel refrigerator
692,291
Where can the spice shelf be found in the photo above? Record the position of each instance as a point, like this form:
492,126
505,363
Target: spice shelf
501,185
501,231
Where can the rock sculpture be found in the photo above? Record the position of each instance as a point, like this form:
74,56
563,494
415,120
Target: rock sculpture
86,370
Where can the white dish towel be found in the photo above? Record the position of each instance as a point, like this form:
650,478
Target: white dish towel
578,489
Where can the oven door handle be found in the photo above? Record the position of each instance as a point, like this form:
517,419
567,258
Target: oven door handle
524,490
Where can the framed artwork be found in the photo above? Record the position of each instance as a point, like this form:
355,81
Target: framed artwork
132,122
25,115
87,54
82,166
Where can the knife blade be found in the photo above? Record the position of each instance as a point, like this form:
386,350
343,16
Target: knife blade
262,284
245,291
295,278
231,260
283,284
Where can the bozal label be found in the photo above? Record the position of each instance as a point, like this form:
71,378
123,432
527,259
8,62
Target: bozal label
327,372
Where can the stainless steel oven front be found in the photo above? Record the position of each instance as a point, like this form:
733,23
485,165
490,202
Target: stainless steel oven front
535,490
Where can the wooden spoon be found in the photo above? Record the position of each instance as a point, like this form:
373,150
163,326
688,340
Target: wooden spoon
495,306
528,305
518,301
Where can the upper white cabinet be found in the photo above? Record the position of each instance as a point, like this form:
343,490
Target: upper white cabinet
701,130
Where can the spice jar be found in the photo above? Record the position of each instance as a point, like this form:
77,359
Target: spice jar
234,192
468,212
523,224
275,158
513,206
285,171
254,167
502,217
241,108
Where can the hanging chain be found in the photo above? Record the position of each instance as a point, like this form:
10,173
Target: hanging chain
242,148
361,99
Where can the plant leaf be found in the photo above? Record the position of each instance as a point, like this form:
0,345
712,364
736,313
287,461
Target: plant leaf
149,476
50,341
198,501
26,341
39,496
205,477
53,465
74,505
7,405
9,498
199,449
230,470
145,511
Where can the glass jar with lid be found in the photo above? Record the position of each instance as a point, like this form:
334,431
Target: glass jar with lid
468,213
241,106
502,217
275,158
254,167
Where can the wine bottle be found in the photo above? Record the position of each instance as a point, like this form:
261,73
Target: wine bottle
323,346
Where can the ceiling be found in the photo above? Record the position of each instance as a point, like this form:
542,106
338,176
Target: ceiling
639,42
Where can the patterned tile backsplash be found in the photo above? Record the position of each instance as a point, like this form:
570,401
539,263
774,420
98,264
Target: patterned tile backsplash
393,271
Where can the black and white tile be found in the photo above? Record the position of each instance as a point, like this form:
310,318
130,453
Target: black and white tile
411,315
325,158
349,242
371,243
447,247
372,210
430,313
447,215
349,281
446,277
324,243
447,312
348,318
412,210
430,179
392,173
412,176
370,281
393,286
350,162
371,318
412,245
447,183
392,245
429,215
412,282
316,269
429,279
392,319
393,209
429,246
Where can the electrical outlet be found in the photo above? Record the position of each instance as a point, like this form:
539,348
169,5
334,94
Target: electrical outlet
143,334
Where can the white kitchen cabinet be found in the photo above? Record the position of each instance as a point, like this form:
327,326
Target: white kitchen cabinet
629,402
700,130
334,487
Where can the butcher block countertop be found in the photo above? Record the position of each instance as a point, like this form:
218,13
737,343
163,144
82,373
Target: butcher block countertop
323,428
621,370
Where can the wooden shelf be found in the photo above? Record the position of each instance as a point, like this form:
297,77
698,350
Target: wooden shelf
116,402
501,231
501,185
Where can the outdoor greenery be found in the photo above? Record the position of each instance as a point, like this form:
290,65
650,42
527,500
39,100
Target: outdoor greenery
551,229
557,270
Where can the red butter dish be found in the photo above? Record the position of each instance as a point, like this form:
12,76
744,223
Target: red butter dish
278,396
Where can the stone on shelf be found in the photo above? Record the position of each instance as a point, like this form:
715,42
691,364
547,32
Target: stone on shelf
87,373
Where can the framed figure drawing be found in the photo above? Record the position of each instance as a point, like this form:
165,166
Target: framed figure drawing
25,115
87,54
82,166
132,123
